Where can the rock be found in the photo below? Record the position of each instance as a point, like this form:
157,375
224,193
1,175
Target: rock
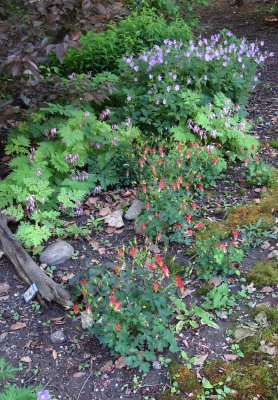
57,253
156,365
265,245
267,349
4,288
86,320
1,254
58,337
134,210
115,220
273,254
138,230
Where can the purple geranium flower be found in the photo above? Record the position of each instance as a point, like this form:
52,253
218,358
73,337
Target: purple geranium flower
43,395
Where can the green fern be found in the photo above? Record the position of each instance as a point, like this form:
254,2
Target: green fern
6,370
18,145
13,392
32,235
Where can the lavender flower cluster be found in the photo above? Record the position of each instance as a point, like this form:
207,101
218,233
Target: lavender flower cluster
71,158
44,395
50,134
154,65
80,176
31,203
79,209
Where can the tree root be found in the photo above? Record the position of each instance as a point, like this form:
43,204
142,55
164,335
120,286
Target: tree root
28,270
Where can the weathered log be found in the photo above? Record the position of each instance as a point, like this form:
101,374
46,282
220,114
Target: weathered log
27,269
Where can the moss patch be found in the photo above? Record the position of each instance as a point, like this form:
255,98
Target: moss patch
274,143
248,214
187,380
217,371
264,273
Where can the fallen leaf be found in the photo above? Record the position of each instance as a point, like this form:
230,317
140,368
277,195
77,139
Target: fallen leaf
18,325
187,292
4,298
94,244
110,230
216,281
92,201
28,344
54,354
4,288
68,276
243,332
79,374
107,367
154,248
268,349
120,363
115,220
26,359
201,358
230,357
266,289
261,318
101,250
103,212
3,336
257,201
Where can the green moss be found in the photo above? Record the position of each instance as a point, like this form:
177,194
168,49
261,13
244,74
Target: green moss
271,313
264,273
187,380
203,290
274,143
169,396
254,380
249,214
217,371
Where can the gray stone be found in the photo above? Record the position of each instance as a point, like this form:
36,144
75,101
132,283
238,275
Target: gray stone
134,210
1,254
86,320
273,254
115,220
58,337
156,365
57,253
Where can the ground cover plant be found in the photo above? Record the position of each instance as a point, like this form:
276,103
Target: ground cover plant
155,159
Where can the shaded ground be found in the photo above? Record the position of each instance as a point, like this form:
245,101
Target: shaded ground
79,367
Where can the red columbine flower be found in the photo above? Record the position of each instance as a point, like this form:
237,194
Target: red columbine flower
246,162
186,185
147,206
144,188
188,218
161,151
179,147
257,160
235,235
84,292
223,248
189,232
114,303
161,185
158,235
155,286
151,266
88,309
146,150
141,162
118,326
164,270
143,225
174,185
132,252
120,252
194,206
253,147
179,283
159,260
75,309
208,197
199,226
201,187
179,227
84,282
188,154
214,161
178,163
159,161
116,270
199,177
154,150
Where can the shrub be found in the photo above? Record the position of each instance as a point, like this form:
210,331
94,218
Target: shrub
140,31
170,184
73,152
165,86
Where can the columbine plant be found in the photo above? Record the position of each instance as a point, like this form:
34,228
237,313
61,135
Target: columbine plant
170,185
130,304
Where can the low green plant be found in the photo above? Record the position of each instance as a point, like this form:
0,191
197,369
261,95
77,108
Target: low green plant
256,172
254,234
133,304
216,258
219,298
139,31
60,156
13,392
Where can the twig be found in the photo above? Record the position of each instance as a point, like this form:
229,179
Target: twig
84,384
